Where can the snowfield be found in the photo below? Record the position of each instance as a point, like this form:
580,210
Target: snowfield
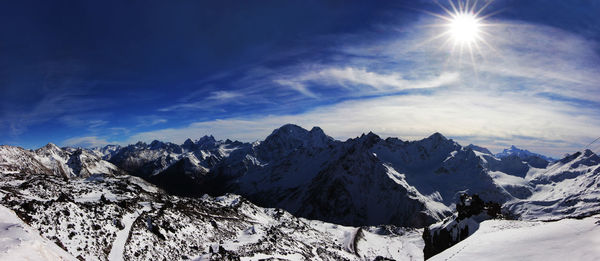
18,241
567,239
144,223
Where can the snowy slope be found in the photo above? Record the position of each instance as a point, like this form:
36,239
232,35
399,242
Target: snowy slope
123,217
18,241
569,187
568,239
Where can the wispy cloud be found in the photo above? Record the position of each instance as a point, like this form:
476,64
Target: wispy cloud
150,120
86,142
224,95
206,100
473,117
356,79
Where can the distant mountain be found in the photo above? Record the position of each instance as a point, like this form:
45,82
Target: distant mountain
521,153
362,181
50,159
569,187
479,149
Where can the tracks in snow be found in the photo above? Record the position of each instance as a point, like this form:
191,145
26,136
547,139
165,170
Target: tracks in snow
118,246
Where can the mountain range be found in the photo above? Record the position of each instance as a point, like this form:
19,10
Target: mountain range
365,182
361,181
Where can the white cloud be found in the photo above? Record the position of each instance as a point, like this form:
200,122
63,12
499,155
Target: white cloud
486,118
224,95
356,78
86,142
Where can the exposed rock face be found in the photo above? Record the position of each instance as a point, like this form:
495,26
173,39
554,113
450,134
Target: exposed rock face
471,211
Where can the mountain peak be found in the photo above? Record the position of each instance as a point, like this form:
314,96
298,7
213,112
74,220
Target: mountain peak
587,158
369,139
290,128
479,149
206,139
437,136
317,130
521,153
156,144
188,143
290,137
51,146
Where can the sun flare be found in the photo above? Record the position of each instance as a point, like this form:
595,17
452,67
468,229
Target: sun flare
464,28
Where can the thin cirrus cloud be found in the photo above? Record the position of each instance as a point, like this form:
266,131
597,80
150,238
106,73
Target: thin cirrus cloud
86,142
204,100
355,79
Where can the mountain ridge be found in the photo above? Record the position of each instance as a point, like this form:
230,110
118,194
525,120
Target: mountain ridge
303,170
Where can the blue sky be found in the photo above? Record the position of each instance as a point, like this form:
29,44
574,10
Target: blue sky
85,73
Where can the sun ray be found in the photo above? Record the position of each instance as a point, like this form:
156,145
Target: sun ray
453,8
445,9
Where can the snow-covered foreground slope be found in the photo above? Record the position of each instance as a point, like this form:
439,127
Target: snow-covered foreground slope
568,239
19,241
126,218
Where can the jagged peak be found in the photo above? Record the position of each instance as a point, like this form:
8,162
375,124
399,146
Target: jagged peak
50,146
206,139
589,153
587,157
369,135
368,139
479,149
437,136
155,142
317,129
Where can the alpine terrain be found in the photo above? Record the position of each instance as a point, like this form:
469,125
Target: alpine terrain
298,195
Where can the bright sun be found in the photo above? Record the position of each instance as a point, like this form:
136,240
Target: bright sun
464,28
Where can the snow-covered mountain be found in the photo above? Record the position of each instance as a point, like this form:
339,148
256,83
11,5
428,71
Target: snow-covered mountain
358,184
569,187
521,153
52,160
362,181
